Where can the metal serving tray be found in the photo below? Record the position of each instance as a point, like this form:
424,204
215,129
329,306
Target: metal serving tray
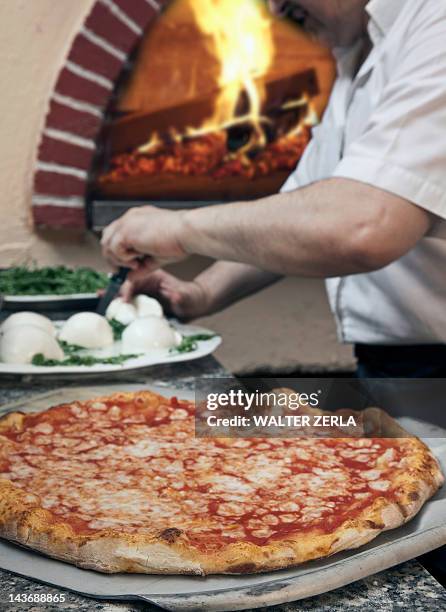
218,593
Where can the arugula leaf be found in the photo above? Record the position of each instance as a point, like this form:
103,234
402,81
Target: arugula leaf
187,345
74,359
118,328
56,280
80,360
70,349
190,343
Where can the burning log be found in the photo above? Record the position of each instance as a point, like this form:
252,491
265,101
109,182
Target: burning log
253,128
148,153
132,131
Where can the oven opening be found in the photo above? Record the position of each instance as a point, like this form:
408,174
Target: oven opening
216,105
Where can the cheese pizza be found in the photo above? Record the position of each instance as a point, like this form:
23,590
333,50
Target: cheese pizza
121,484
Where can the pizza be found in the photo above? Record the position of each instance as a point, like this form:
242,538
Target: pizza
121,484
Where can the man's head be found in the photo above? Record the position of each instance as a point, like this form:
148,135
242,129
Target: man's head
336,23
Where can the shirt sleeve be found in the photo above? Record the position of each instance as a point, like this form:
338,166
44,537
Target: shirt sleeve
299,176
291,183
403,148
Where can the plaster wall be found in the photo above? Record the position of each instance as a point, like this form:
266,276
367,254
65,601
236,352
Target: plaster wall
35,37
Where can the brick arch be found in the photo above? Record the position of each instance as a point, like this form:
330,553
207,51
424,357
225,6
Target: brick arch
77,105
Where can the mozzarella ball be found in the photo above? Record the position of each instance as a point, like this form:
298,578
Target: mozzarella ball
19,344
113,307
87,329
121,311
149,333
29,318
147,306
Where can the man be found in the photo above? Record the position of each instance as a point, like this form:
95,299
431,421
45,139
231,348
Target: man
365,209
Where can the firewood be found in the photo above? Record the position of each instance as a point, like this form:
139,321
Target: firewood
133,130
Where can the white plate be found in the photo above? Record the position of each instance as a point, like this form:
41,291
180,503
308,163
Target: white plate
157,357
31,299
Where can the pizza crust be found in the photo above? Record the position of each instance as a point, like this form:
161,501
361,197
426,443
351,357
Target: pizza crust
114,552
23,521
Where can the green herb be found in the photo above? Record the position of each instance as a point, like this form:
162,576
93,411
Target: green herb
57,280
118,328
74,359
80,360
190,343
70,349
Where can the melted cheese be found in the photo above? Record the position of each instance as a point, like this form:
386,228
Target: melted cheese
140,468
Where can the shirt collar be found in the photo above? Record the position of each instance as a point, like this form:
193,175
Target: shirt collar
383,14
346,58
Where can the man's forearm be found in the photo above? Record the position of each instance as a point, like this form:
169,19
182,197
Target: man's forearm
334,227
226,282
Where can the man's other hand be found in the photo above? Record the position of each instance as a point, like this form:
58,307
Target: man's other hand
186,300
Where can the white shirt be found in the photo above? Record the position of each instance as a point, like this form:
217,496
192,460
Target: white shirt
386,126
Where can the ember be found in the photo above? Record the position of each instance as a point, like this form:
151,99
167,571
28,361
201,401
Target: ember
239,138
209,155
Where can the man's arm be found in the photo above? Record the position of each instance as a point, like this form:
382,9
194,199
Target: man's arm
331,228
226,282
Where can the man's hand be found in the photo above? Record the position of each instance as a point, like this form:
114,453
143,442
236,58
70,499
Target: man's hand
184,299
144,239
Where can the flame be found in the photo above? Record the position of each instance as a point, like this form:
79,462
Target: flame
240,37
242,41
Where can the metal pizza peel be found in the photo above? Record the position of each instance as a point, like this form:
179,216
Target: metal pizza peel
219,593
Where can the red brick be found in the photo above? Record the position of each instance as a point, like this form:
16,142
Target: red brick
71,120
75,86
94,58
64,153
139,10
103,23
59,216
56,184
